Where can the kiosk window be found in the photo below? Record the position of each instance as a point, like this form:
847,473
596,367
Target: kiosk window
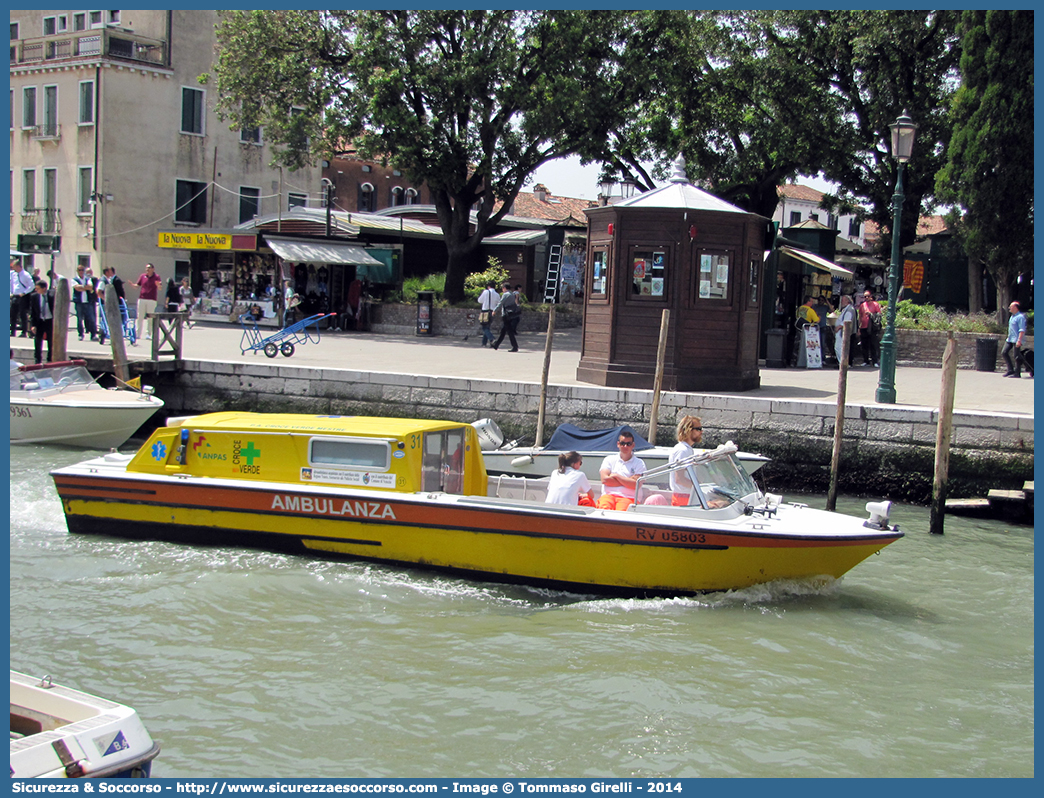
755,274
599,272
649,273
713,275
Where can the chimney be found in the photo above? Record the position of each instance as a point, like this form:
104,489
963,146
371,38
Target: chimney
540,192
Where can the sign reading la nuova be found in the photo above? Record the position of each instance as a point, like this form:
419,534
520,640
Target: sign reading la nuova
190,240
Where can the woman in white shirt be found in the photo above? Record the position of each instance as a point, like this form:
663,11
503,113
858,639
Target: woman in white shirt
689,434
569,485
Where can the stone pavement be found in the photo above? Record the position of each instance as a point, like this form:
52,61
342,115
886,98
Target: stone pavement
455,357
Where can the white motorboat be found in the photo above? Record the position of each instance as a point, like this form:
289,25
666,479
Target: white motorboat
507,458
62,403
58,732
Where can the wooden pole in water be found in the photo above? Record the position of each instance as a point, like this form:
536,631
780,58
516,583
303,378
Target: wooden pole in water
839,417
661,356
942,437
115,322
60,323
543,377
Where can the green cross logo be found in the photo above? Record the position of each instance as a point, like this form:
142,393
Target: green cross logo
250,453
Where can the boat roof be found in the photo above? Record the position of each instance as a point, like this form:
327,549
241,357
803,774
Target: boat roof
365,426
569,437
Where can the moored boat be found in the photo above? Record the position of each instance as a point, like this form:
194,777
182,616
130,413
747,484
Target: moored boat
513,459
62,403
59,732
416,492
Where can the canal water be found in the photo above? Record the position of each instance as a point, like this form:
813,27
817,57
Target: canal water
250,664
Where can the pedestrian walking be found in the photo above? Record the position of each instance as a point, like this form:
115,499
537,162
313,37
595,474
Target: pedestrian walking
510,314
846,313
42,314
869,328
488,301
1016,331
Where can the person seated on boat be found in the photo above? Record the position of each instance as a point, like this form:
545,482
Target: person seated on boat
689,433
619,474
569,485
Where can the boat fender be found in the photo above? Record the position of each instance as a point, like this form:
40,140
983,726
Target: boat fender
521,461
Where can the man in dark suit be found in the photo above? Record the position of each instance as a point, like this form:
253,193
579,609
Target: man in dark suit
41,310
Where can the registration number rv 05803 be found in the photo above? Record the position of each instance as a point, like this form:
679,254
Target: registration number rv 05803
669,535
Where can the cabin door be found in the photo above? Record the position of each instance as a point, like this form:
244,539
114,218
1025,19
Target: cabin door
442,468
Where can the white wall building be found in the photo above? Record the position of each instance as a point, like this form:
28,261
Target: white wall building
113,138
798,203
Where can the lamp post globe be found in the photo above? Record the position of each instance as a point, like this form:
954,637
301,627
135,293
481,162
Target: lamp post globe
903,132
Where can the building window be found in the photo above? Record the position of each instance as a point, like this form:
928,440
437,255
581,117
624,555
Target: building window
86,102
28,107
84,189
713,276
648,273
96,19
79,21
367,200
50,26
396,197
853,227
14,31
412,197
249,203
190,200
83,260
814,217
296,201
50,112
192,105
28,189
795,218
250,135
10,110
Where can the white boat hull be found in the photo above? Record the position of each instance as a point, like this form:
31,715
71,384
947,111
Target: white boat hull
58,732
92,419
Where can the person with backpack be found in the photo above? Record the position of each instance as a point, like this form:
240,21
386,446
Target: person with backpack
488,301
869,329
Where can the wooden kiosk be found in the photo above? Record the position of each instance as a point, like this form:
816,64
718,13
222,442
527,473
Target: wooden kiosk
682,249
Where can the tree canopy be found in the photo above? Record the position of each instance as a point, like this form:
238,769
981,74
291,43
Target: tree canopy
988,174
470,102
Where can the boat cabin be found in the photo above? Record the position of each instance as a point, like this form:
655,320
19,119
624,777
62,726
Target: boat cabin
407,455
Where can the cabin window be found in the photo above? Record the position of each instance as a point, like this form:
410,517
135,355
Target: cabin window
648,273
371,455
442,468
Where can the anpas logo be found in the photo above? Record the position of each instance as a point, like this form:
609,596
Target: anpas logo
204,454
243,457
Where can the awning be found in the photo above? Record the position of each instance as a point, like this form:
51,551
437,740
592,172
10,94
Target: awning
814,260
302,251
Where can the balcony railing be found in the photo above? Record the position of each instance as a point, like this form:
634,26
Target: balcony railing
42,220
48,130
117,44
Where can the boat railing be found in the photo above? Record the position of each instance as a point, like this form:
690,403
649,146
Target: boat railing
654,484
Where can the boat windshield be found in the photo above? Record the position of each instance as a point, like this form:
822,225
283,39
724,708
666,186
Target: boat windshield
710,481
60,377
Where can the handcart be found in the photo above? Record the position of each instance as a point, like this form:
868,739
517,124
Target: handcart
300,332
126,318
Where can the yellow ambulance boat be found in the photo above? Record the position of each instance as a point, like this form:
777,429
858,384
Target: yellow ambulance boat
416,492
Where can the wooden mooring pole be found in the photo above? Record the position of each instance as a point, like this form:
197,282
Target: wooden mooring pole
943,435
114,320
661,356
543,377
839,416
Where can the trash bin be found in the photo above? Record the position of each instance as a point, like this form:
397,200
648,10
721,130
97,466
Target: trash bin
775,347
985,354
425,299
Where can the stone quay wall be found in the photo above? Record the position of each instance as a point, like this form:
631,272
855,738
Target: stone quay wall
887,451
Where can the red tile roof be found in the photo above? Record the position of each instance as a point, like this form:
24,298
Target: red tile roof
799,192
542,204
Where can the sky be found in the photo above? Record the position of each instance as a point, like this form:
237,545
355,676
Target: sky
565,177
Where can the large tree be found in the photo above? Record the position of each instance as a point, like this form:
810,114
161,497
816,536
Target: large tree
988,176
468,102
877,64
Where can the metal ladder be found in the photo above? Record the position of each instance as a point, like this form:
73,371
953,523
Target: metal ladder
554,262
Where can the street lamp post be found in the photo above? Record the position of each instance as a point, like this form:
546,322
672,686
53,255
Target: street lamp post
903,130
